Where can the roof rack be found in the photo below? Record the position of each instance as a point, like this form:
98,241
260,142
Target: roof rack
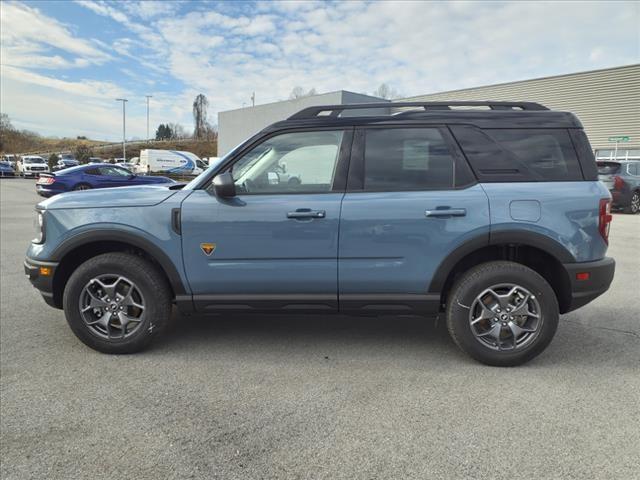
336,110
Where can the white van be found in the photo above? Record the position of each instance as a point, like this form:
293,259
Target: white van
169,161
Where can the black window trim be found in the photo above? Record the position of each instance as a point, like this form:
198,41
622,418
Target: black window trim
341,168
355,180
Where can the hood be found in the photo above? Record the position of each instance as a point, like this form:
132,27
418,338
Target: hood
137,196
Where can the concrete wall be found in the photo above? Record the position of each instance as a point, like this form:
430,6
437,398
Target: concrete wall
235,126
606,101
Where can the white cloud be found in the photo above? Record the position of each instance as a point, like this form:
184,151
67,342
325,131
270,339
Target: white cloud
27,35
416,47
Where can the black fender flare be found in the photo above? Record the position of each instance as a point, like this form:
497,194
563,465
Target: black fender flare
502,237
113,235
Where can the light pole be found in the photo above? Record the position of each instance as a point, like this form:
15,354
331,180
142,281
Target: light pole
124,131
148,97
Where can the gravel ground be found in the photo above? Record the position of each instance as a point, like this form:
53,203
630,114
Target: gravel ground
311,396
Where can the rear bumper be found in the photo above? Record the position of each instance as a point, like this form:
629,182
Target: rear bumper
600,278
43,191
44,283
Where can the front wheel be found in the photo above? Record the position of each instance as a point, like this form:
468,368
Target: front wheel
502,313
117,302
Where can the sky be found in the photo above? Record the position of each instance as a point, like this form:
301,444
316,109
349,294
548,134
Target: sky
63,63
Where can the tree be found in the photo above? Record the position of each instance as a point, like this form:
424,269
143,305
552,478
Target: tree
83,153
386,92
164,132
52,161
298,92
5,123
200,105
177,131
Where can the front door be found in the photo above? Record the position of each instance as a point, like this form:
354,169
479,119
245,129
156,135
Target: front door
411,201
275,245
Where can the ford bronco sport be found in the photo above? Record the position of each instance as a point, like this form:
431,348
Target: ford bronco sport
488,213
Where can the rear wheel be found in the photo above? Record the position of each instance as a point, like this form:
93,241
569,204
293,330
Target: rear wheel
82,186
634,204
117,302
502,313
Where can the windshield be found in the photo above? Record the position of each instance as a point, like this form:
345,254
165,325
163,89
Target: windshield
608,168
34,160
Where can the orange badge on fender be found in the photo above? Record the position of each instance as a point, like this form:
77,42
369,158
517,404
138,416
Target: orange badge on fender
208,248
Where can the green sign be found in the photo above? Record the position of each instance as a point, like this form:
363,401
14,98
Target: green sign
619,138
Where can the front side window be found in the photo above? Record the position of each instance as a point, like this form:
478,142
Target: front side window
114,172
398,159
301,162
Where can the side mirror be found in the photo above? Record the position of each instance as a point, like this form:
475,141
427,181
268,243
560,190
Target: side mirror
223,185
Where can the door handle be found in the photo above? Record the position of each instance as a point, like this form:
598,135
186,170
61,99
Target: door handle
302,213
446,212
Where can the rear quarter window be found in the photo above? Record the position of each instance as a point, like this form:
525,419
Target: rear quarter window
518,154
608,168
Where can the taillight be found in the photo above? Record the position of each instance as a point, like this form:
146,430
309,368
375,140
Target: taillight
604,218
46,180
618,183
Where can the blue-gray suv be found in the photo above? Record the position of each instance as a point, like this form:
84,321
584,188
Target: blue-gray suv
489,214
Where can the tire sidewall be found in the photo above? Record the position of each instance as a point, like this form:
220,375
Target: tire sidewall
483,277
116,265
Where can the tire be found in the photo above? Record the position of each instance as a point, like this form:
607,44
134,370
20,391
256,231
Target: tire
465,304
82,186
634,204
106,333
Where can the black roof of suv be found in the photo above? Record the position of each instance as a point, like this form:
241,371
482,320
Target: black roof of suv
494,115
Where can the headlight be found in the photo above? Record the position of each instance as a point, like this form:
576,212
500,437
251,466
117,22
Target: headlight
39,226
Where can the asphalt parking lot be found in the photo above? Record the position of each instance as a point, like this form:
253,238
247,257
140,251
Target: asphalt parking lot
311,396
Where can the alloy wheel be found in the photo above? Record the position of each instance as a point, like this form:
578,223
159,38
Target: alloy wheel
112,306
505,317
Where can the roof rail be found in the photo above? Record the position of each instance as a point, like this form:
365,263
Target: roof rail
336,110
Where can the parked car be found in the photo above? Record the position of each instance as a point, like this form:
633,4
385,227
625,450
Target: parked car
96,160
6,170
169,162
622,178
86,177
127,165
493,219
32,166
66,163
11,159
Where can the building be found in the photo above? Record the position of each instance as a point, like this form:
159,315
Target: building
607,102
235,126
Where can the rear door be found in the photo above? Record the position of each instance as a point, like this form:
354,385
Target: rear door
411,200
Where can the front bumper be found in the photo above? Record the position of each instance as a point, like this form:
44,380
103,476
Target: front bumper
35,271
600,276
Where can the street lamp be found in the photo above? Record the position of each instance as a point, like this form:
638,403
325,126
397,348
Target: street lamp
124,138
148,97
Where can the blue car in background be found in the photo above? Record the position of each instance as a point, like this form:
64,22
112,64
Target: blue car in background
86,177
6,170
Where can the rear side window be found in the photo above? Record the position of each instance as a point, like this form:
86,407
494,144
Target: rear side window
399,159
608,168
525,155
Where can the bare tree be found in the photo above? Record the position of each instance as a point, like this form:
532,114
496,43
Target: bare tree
200,105
298,92
386,92
177,131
